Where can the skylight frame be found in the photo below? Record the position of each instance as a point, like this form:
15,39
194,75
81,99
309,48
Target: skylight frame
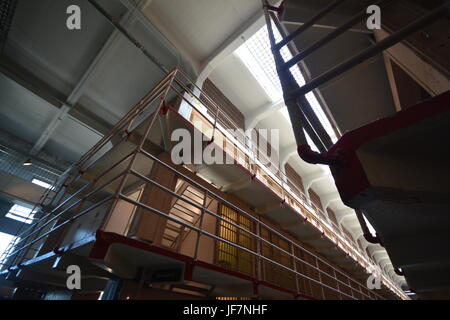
256,54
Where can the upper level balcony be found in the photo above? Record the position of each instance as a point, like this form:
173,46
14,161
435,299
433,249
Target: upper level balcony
244,228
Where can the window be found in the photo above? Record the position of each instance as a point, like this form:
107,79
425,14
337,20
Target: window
42,183
370,227
5,240
21,213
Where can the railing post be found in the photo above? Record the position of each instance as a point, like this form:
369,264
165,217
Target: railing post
337,284
320,278
294,260
258,251
200,226
350,287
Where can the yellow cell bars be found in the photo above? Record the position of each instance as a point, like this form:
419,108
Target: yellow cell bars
230,257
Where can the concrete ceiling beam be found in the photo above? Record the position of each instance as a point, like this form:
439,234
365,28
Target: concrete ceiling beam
51,96
328,198
309,179
252,119
82,85
344,214
286,153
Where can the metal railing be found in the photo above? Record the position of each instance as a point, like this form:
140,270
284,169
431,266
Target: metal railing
71,203
299,109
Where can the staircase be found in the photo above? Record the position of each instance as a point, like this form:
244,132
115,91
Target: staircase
175,233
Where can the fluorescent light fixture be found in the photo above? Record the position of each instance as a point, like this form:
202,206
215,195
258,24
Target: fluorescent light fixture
27,163
42,183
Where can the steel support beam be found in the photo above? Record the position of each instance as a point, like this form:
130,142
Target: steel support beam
329,37
371,51
308,24
53,97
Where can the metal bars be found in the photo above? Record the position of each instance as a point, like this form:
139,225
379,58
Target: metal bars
174,82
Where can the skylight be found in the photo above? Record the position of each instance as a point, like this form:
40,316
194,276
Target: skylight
21,213
5,240
256,54
370,227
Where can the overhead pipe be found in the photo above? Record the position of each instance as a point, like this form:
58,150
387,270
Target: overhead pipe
373,50
298,117
300,112
287,81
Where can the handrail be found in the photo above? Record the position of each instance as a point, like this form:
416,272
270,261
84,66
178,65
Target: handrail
308,24
258,255
234,207
345,244
317,222
372,50
331,36
280,175
299,110
96,190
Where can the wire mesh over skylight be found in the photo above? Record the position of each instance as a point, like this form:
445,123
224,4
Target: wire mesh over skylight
257,56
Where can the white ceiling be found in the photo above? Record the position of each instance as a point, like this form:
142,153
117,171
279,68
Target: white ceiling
20,109
200,27
39,44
